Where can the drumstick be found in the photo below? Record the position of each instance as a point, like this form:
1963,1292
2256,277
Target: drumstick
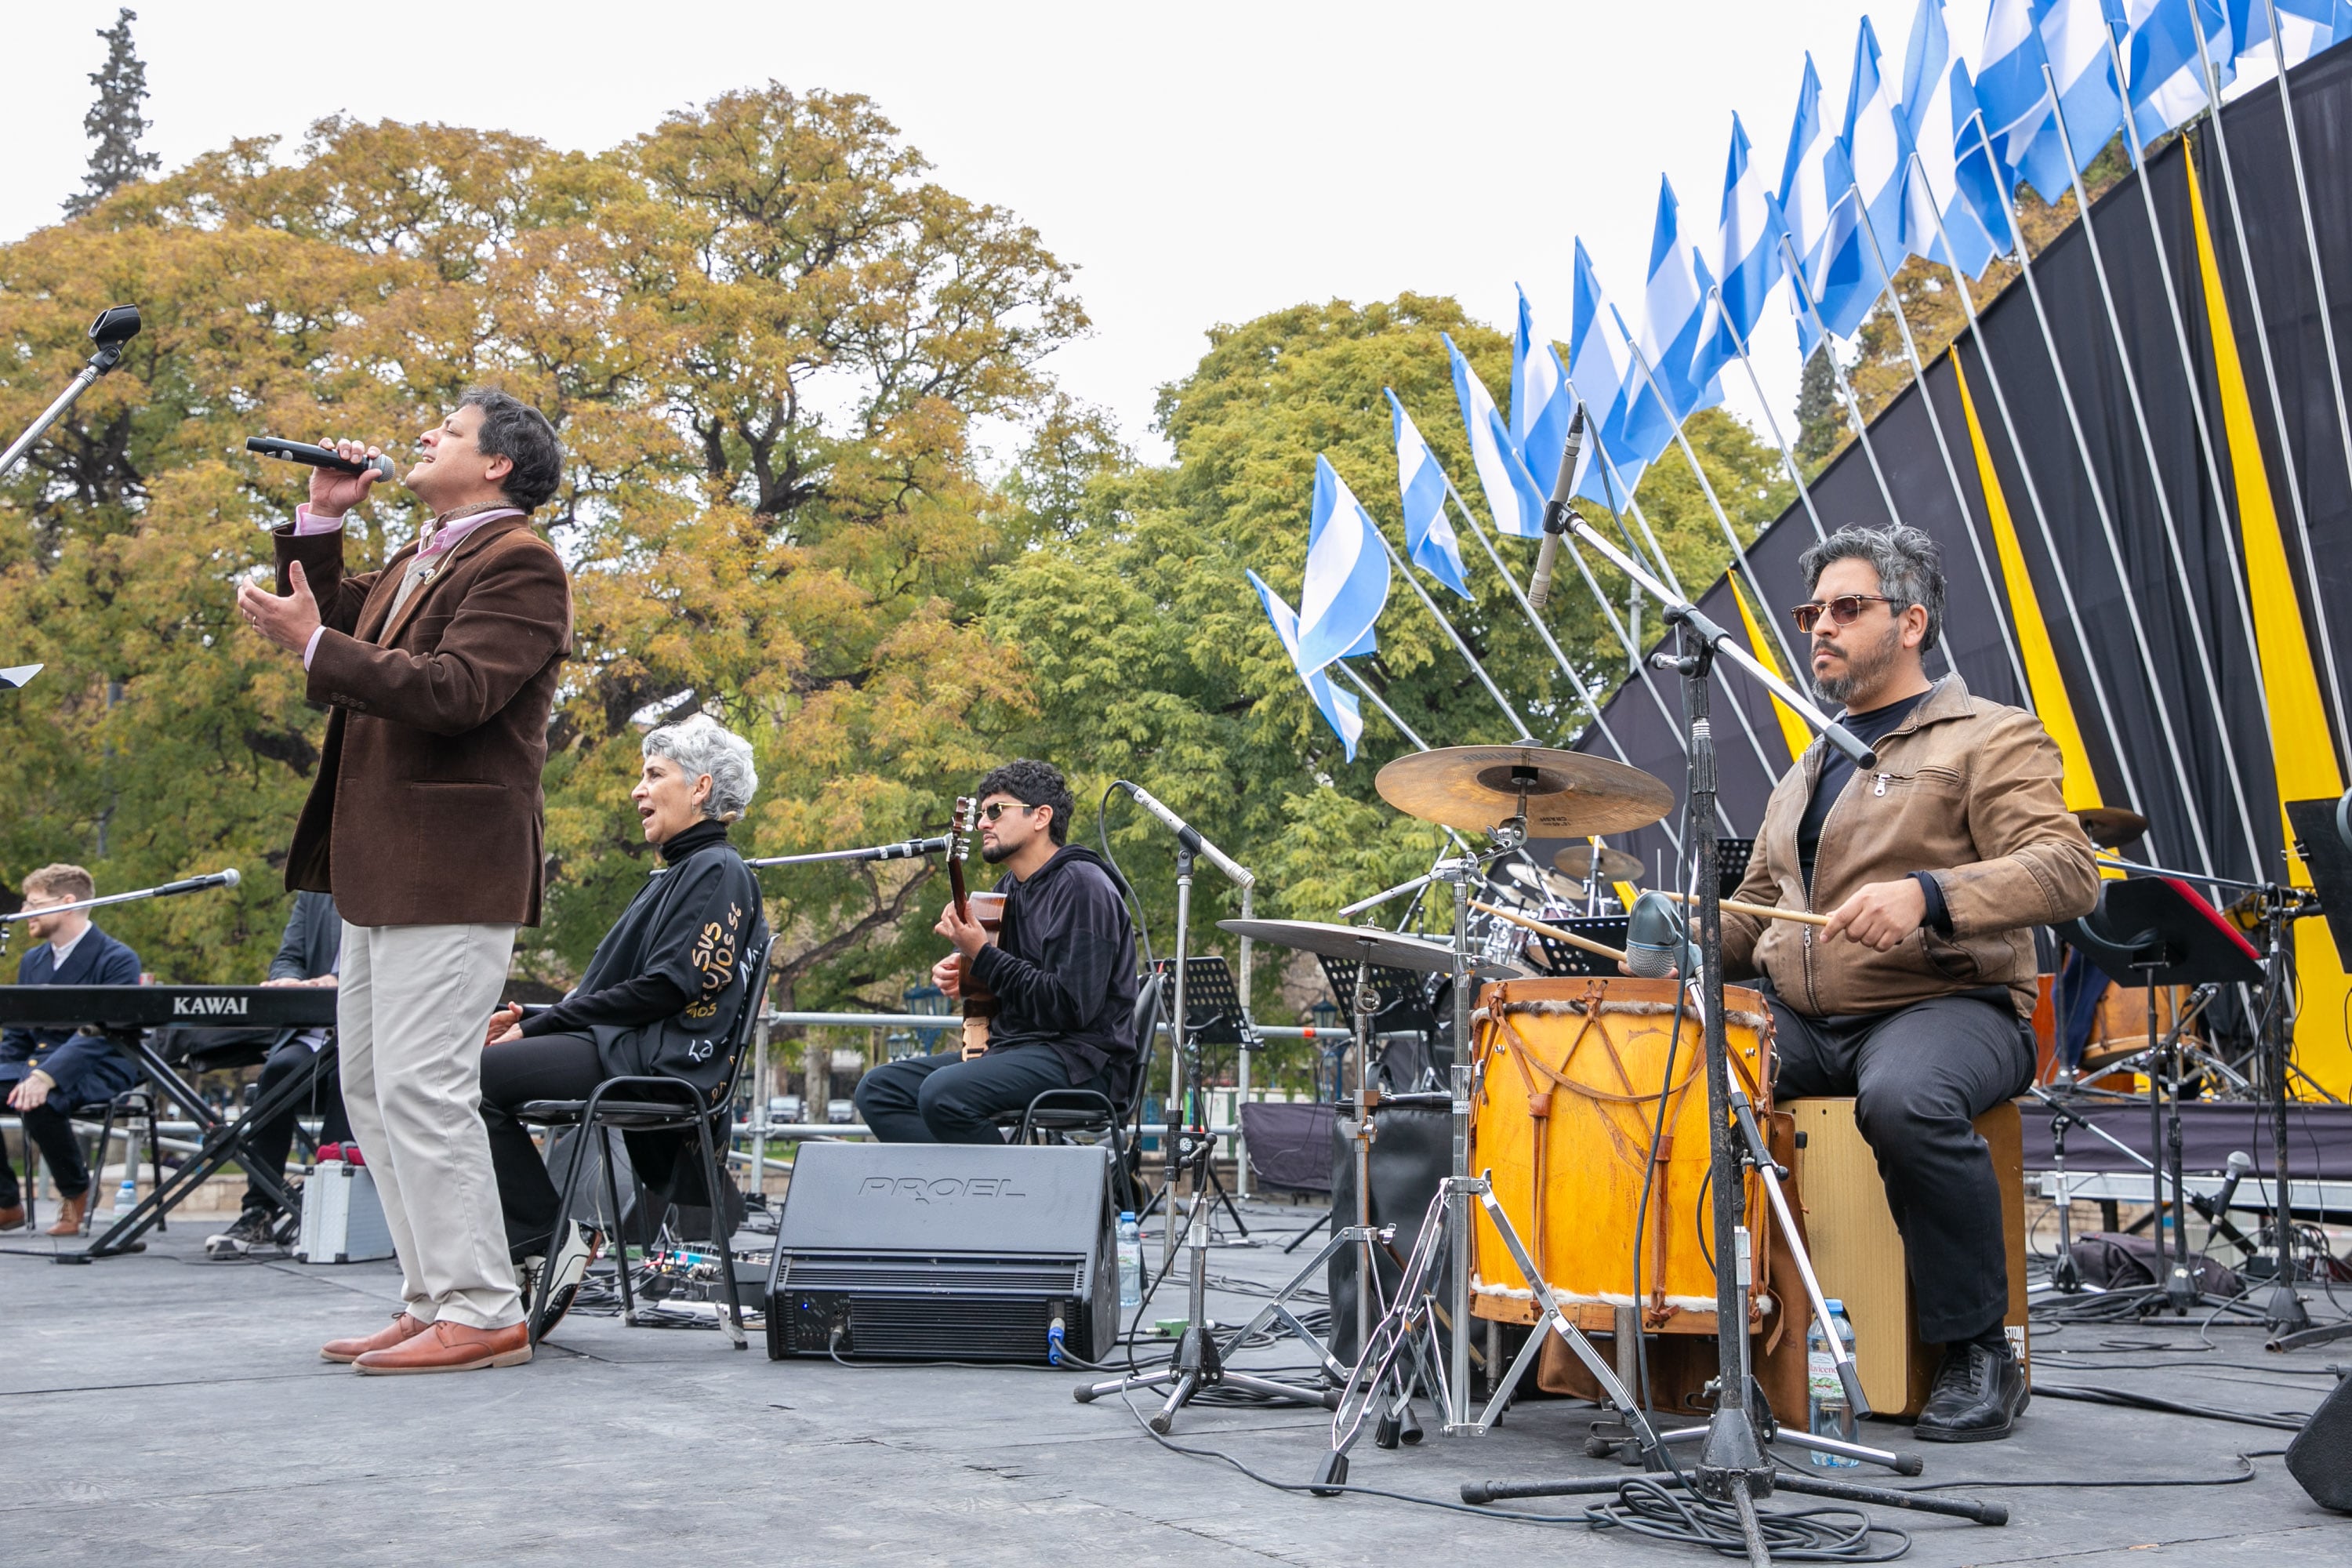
1761,911
1552,931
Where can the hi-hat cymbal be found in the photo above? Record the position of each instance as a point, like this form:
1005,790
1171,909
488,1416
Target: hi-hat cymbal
1386,948
1570,795
2111,827
1616,865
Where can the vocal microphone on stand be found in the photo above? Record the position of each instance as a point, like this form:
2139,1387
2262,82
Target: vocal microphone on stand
318,457
1556,513
1656,945
1188,836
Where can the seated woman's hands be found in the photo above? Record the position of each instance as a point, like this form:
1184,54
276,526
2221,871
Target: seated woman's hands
506,1024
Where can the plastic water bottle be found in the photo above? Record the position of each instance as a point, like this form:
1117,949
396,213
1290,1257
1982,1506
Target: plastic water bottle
1131,1260
1828,1414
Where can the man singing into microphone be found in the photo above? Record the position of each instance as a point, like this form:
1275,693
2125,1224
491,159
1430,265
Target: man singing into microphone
1062,970
425,821
1933,866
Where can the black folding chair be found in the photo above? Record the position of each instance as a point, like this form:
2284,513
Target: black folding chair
658,1103
1059,1114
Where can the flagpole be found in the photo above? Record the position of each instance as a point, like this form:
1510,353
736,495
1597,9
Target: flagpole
1386,712
2098,499
1852,404
1738,551
2155,469
2032,491
2188,373
1518,726
1894,297
2270,379
2311,249
1787,458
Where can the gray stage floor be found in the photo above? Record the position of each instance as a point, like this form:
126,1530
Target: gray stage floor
161,1408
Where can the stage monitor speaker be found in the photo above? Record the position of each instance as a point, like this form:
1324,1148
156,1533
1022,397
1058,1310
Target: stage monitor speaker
944,1252
2320,1458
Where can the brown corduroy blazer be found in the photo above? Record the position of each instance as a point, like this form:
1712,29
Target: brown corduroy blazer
427,809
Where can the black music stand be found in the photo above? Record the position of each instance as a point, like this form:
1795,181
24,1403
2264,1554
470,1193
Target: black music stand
1213,1016
2150,932
1558,958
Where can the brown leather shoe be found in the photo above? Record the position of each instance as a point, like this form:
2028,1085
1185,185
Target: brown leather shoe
404,1327
451,1347
12,1217
70,1212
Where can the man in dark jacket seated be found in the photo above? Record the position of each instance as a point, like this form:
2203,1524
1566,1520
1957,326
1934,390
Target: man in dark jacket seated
49,1072
1062,971
308,953
663,996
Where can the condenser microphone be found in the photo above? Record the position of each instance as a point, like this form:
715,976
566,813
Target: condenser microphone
1655,942
228,879
318,457
1556,513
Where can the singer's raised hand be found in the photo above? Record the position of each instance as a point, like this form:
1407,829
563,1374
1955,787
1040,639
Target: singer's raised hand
333,494
287,622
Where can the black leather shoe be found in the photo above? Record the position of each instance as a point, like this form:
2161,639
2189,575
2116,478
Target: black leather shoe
1978,1395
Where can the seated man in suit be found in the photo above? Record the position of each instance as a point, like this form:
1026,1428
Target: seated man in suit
308,953
50,1071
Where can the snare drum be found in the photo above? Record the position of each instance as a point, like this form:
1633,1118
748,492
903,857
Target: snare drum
1569,1075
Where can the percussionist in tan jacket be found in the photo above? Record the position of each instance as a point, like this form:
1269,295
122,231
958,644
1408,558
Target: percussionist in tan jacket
1933,866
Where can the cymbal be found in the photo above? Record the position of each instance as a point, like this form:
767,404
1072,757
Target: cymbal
1616,865
1386,948
1537,884
1570,795
2111,827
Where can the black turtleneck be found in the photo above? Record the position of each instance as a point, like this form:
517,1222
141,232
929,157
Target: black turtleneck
642,998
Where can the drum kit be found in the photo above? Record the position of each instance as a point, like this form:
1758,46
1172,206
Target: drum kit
1564,1212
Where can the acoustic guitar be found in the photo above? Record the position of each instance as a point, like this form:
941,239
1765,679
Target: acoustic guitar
979,1005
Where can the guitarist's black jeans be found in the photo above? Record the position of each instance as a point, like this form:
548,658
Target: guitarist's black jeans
943,1099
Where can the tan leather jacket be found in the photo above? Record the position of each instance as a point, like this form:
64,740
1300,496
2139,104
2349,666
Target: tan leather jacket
1966,790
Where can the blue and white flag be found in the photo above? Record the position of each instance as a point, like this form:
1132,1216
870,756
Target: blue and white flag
1429,537
1600,371
1877,146
1748,260
1511,494
1540,405
2010,87
1804,203
2074,36
1848,279
1675,315
1340,708
1346,583
2305,27
1937,105
2167,83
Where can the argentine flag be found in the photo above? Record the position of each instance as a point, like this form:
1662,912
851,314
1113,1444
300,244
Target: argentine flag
1541,405
1511,494
2010,89
1849,280
2071,37
2167,84
1674,316
1748,257
1429,542
1346,583
1938,102
2305,27
1340,708
1805,200
1878,147
1600,371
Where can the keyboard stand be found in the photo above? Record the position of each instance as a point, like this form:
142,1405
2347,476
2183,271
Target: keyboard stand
222,1142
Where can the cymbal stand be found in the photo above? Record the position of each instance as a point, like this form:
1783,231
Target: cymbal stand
2283,1310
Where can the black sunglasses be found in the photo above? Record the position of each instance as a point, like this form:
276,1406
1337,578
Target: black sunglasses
1845,609
995,809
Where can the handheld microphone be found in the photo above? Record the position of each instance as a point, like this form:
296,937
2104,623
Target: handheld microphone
228,879
1187,835
1556,514
1655,942
318,456
2240,1167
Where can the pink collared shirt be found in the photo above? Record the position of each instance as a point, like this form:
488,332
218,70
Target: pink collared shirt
439,541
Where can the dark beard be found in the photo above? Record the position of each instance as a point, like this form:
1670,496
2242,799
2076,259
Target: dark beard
1862,670
993,854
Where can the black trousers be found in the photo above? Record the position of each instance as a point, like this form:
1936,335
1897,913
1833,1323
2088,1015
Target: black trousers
51,1131
943,1099
269,1143
1919,1075
543,1066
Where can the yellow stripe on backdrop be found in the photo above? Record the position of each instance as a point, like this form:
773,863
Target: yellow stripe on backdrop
1793,730
2043,676
2302,757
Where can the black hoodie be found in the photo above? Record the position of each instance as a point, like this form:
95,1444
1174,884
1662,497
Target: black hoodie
1063,968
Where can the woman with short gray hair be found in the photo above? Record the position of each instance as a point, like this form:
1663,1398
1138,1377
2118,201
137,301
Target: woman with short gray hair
664,995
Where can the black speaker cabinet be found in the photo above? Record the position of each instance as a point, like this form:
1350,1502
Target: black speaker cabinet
2321,1455
944,1252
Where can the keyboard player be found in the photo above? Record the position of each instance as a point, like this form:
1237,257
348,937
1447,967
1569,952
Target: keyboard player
50,1072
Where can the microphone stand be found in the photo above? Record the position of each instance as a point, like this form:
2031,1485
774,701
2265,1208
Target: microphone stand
908,849
161,891
110,331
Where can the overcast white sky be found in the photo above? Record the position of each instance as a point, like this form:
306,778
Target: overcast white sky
1198,163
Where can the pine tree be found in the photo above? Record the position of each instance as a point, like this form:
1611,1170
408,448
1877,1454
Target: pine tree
114,121
1821,422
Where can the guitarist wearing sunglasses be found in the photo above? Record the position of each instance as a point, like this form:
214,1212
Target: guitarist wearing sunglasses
1933,865
1061,969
